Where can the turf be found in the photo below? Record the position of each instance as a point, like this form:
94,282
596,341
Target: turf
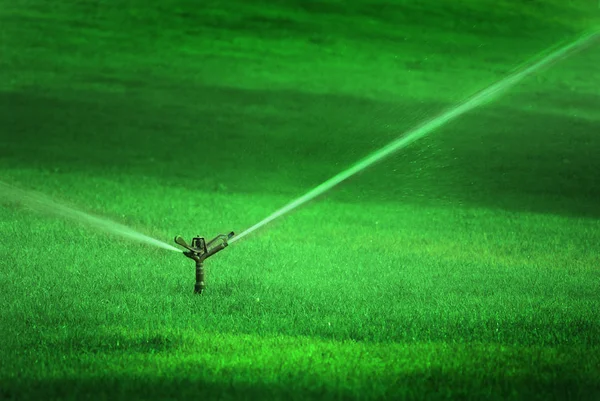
463,267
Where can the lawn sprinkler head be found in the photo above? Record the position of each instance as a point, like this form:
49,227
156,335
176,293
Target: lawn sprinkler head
199,250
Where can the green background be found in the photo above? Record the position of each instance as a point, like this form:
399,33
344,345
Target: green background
463,267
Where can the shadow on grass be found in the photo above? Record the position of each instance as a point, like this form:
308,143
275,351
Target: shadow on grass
286,142
430,385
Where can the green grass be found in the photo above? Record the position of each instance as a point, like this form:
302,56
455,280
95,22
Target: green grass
379,302
463,267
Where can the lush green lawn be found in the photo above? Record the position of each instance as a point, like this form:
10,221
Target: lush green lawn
464,267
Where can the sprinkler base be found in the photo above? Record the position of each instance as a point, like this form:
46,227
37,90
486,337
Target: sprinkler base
198,288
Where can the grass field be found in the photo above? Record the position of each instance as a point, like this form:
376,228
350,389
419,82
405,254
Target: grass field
465,266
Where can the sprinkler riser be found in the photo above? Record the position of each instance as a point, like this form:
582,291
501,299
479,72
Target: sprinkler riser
199,286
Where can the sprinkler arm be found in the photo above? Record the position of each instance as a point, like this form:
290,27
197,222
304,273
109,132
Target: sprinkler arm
214,250
223,237
209,251
200,258
180,241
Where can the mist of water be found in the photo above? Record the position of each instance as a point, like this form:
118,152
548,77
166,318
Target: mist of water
41,203
432,124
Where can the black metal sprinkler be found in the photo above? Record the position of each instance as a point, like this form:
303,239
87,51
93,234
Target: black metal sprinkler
199,250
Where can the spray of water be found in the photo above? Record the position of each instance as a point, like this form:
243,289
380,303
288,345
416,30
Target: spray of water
425,128
41,203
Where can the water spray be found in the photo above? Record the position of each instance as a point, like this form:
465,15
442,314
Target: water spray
43,204
200,250
432,124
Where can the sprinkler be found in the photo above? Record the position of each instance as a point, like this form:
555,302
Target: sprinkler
199,250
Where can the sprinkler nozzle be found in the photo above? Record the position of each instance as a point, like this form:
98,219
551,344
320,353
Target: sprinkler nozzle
200,250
